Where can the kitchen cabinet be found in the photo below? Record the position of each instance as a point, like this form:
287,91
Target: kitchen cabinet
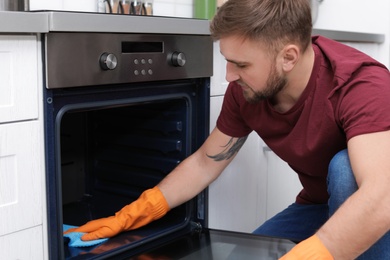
25,244
371,49
18,70
282,185
237,199
21,149
359,16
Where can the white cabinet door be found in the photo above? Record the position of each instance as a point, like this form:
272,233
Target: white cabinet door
283,184
237,199
371,49
26,244
20,177
19,78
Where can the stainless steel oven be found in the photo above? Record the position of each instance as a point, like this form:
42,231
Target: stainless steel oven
121,111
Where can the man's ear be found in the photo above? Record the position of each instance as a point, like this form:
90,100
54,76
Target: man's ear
290,56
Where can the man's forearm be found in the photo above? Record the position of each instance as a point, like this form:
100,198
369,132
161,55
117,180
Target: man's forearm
186,181
356,225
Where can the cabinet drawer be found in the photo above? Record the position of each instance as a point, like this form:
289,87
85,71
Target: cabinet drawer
21,176
19,78
26,244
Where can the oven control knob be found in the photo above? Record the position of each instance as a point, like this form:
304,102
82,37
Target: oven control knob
108,61
178,59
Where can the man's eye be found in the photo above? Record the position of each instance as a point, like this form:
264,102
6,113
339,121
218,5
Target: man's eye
240,65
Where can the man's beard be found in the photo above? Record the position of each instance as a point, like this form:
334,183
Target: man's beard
275,83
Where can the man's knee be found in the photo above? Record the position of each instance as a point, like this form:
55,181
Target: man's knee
340,170
341,180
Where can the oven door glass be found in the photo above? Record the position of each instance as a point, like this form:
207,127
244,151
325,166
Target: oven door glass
216,244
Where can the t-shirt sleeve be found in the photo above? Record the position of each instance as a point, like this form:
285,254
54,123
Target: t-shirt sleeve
364,103
231,120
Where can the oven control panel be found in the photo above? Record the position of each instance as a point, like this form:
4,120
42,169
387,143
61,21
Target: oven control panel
125,58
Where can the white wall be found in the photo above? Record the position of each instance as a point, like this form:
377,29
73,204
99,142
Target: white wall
71,5
177,8
368,16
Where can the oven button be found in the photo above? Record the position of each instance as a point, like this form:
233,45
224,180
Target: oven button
108,61
178,59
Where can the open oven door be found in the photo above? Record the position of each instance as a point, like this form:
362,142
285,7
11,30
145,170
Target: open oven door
208,244
217,244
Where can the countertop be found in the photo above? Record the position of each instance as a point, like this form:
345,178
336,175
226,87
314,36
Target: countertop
44,22
57,21
23,22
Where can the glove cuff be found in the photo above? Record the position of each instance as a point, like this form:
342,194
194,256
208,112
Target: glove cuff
160,206
311,248
151,205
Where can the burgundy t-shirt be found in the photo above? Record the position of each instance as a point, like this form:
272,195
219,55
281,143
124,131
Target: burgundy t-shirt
348,94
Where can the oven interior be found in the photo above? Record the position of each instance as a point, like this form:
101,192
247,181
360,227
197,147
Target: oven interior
109,154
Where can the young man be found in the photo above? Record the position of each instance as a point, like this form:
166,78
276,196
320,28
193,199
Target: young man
311,100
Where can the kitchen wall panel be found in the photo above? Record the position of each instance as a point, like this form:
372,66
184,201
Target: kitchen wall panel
175,8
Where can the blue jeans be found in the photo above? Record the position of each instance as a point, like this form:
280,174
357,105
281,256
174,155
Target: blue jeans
298,222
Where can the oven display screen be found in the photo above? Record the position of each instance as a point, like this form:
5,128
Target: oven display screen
142,47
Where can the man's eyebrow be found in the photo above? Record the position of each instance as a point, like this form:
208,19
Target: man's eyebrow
237,62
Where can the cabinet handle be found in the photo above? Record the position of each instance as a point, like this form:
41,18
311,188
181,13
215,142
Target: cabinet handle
266,149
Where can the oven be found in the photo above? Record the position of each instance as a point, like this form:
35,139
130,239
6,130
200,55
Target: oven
121,111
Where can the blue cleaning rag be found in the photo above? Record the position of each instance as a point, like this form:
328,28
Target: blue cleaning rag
75,238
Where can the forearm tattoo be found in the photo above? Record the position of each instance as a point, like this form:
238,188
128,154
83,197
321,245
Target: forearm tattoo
231,148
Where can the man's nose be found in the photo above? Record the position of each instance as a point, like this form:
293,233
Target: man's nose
231,73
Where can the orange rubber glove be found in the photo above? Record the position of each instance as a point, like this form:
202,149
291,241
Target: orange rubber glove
151,205
309,249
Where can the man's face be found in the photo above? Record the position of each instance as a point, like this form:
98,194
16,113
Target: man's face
253,68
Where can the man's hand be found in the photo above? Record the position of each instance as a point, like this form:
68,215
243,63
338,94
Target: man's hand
309,249
99,228
151,205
